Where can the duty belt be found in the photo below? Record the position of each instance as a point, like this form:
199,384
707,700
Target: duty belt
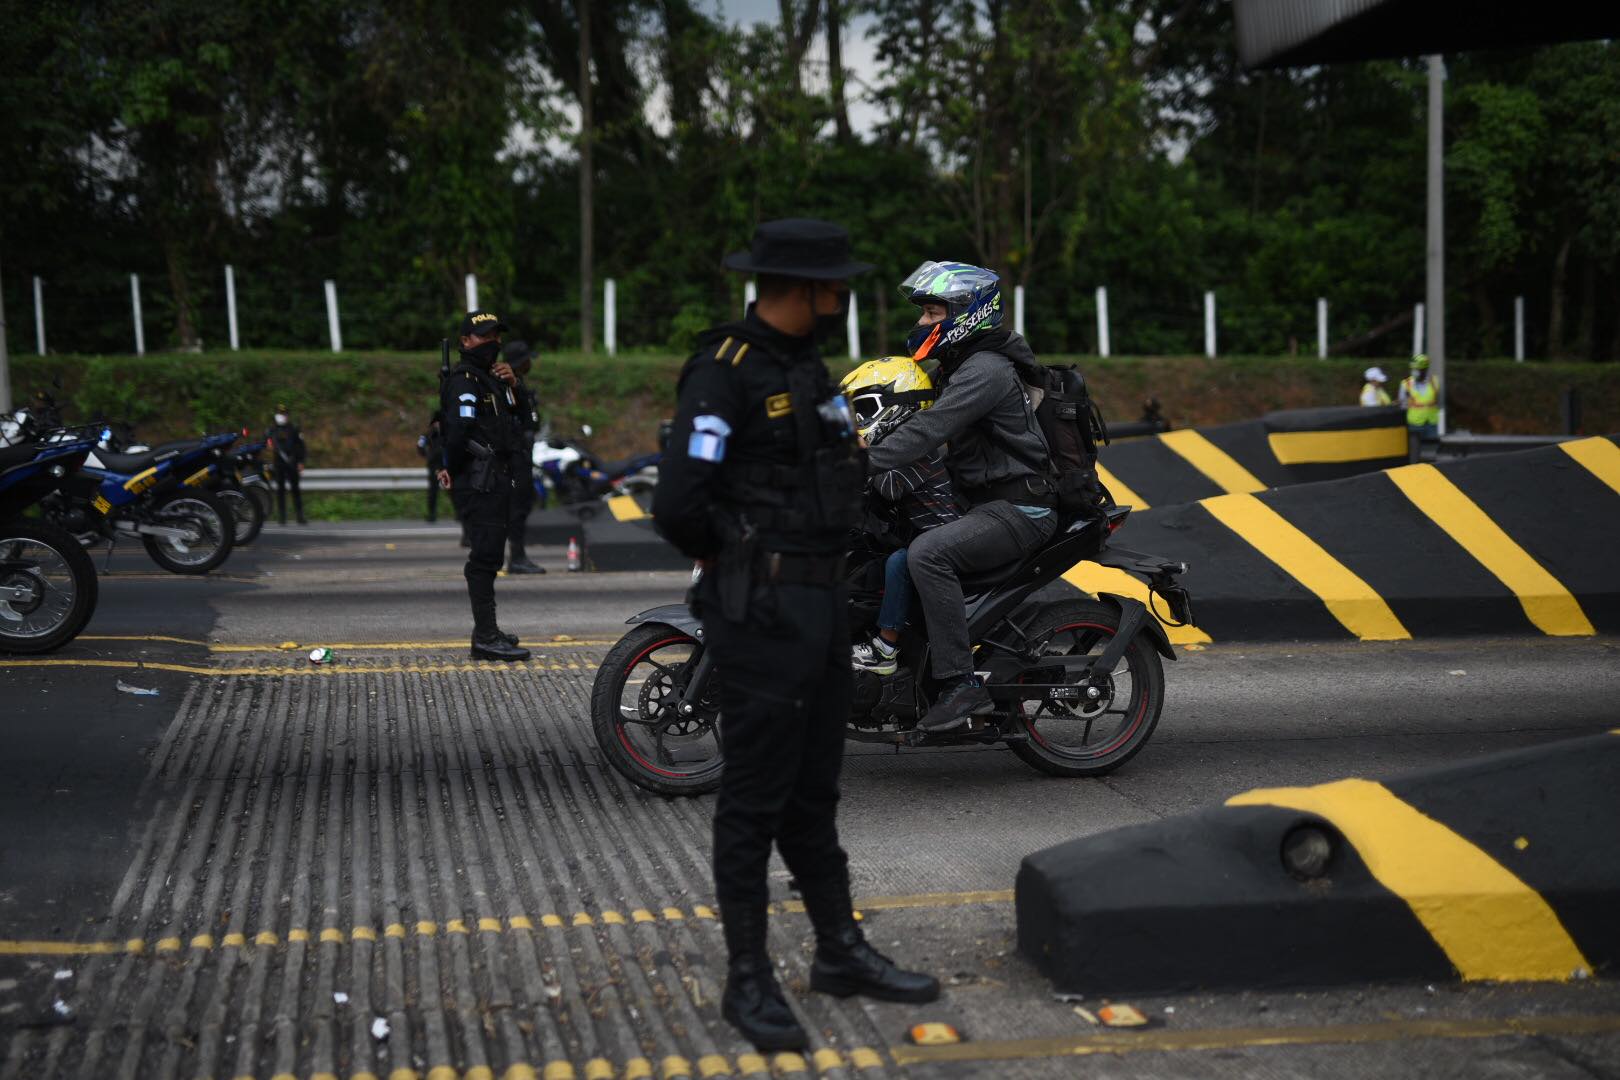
792,568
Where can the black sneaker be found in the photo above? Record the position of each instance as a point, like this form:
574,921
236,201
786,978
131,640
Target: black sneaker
524,566
956,707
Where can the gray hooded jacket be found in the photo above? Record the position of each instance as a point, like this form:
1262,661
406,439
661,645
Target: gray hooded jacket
983,391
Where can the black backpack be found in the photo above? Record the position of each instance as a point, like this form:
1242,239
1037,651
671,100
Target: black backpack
1073,427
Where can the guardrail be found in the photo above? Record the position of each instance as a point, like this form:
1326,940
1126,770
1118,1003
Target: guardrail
1466,443
365,479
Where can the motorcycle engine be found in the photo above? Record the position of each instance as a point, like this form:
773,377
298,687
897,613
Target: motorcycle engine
868,692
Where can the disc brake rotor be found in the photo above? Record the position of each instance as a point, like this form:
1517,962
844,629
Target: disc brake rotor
658,705
21,594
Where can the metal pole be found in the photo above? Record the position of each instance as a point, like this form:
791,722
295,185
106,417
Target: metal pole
750,292
472,292
230,306
1436,292
587,234
39,315
610,316
1018,310
1417,329
1321,328
135,303
1518,329
5,358
1102,321
853,330
332,316
1209,325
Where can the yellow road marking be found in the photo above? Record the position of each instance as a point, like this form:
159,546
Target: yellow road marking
1350,600
1323,447
1120,490
1490,924
1545,600
516,922
1600,457
1094,578
1212,461
1170,1040
625,508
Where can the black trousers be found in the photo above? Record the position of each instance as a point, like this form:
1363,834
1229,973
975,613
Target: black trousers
287,477
785,696
485,516
522,502
433,494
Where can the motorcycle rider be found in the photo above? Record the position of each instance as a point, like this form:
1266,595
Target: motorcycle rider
884,394
520,358
761,484
477,400
998,459
287,442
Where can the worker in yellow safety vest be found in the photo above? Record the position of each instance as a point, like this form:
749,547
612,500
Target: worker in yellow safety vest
1420,396
1373,393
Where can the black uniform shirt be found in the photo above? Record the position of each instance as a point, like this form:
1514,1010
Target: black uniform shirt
476,406
288,442
733,408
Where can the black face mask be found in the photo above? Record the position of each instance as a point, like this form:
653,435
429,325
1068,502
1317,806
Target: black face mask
828,325
482,356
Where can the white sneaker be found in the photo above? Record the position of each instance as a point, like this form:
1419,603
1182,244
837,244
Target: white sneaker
876,656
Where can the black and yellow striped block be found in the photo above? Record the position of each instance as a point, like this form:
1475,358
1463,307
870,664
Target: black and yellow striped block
1506,868
1507,544
1282,448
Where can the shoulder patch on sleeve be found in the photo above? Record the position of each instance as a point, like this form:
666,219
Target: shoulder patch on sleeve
708,439
468,397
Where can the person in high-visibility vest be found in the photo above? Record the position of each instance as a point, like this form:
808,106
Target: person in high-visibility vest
1420,396
1373,393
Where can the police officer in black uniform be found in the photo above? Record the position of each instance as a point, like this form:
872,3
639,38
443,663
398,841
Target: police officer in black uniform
287,442
761,484
520,358
478,402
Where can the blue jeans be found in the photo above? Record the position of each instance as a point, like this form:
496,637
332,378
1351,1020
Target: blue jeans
897,590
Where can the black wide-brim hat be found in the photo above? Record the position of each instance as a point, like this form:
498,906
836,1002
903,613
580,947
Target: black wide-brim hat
799,248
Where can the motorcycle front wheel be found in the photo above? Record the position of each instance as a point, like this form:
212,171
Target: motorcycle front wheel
635,719
245,512
48,587
211,533
1071,733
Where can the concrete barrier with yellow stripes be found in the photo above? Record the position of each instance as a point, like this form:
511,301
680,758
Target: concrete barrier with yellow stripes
1502,869
1518,543
1297,446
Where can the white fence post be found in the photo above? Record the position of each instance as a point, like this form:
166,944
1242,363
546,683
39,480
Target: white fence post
332,316
853,330
1417,329
472,292
135,305
39,315
1018,310
610,316
1102,321
230,306
1518,329
750,292
1209,325
1321,328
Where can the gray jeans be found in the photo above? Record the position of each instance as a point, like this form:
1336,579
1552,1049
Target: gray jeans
988,536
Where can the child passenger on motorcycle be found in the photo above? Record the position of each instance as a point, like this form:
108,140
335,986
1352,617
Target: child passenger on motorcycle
884,394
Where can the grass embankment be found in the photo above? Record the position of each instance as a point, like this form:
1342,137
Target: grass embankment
366,409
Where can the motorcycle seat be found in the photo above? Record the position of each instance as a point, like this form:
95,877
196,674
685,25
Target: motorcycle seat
12,456
619,468
134,463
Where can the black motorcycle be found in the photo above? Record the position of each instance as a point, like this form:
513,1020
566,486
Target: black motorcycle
1078,683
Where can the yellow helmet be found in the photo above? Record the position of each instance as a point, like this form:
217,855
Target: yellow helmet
886,391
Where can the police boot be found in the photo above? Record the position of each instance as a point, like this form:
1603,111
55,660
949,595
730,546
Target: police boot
753,1002
845,964
518,561
488,643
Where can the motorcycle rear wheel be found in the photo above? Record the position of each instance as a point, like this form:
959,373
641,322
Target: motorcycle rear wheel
633,713
1061,732
245,512
48,587
215,527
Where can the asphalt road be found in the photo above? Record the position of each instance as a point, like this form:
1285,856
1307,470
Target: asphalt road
384,834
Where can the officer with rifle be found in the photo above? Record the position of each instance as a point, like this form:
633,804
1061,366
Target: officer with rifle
761,484
479,404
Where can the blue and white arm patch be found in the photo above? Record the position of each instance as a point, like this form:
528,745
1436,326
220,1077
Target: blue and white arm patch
468,403
708,440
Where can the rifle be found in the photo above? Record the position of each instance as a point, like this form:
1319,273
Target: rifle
444,359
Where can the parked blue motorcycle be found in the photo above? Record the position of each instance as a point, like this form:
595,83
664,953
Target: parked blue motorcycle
47,582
